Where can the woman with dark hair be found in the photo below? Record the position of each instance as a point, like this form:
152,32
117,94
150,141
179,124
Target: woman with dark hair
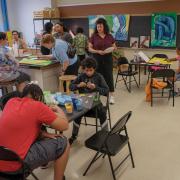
48,27
80,42
60,32
98,43
21,122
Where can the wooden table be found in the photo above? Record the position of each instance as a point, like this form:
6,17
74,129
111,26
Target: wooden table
47,76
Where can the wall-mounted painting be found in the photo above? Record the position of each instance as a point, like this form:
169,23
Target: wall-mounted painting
144,41
118,25
163,29
134,42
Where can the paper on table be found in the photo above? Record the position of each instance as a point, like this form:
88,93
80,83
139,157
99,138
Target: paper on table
35,62
143,56
109,50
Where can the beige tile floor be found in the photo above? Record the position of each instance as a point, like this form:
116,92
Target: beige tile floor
155,139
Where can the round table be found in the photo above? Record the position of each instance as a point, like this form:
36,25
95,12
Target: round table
10,81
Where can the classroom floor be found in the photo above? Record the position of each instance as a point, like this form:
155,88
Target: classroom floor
154,135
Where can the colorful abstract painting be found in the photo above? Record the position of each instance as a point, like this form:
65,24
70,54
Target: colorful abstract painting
163,29
118,25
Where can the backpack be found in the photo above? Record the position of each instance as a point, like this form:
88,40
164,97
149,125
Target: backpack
71,51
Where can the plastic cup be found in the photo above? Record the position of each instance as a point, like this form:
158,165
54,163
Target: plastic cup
69,107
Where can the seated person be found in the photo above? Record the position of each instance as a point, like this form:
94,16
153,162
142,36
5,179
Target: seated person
87,82
9,65
20,131
18,42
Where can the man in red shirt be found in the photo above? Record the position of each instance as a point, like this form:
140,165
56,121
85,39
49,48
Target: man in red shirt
20,131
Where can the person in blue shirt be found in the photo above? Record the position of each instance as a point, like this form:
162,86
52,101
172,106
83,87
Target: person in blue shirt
59,52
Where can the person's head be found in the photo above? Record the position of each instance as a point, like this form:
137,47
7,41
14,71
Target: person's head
15,35
48,27
178,50
48,41
101,26
3,39
33,91
89,66
79,30
59,27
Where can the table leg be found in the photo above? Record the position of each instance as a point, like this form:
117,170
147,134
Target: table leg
61,87
139,74
67,87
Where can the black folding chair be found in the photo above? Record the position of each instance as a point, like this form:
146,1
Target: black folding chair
4,99
21,174
151,70
94,115
165,75
110,143
126,75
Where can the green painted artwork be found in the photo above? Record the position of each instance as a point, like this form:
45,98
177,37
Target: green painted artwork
163,29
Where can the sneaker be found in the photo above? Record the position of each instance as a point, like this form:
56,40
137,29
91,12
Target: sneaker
112,101
72,139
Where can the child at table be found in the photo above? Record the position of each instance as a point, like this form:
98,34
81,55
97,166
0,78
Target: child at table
177,78
87,82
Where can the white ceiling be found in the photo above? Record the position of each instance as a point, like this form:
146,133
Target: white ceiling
88,2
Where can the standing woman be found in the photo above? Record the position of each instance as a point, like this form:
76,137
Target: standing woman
99,41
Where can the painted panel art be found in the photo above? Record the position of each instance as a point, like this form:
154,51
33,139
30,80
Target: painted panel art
118,25
163,29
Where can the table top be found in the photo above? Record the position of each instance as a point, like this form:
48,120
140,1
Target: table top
147,64
10,80
88,104
33,66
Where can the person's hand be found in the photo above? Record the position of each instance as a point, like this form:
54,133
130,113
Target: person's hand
56,109
91,85
100,52
82,84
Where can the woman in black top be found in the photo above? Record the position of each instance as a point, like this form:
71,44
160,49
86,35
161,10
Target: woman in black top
47,30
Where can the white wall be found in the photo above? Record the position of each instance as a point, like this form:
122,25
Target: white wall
85,2
20,14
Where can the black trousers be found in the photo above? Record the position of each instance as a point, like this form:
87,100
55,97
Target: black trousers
105,67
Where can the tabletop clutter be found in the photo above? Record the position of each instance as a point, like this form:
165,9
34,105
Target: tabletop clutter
72,102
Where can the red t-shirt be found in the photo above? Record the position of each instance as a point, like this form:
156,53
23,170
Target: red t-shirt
20,124
100,43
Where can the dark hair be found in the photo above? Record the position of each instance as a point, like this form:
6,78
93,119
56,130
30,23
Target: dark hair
15,31
61,24
48,27
89,62
35,91
2,36
79,30
104,22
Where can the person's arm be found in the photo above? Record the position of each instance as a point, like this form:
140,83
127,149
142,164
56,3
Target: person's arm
77,84
24,45
61,122
102,87
92,50
45,57
52,116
